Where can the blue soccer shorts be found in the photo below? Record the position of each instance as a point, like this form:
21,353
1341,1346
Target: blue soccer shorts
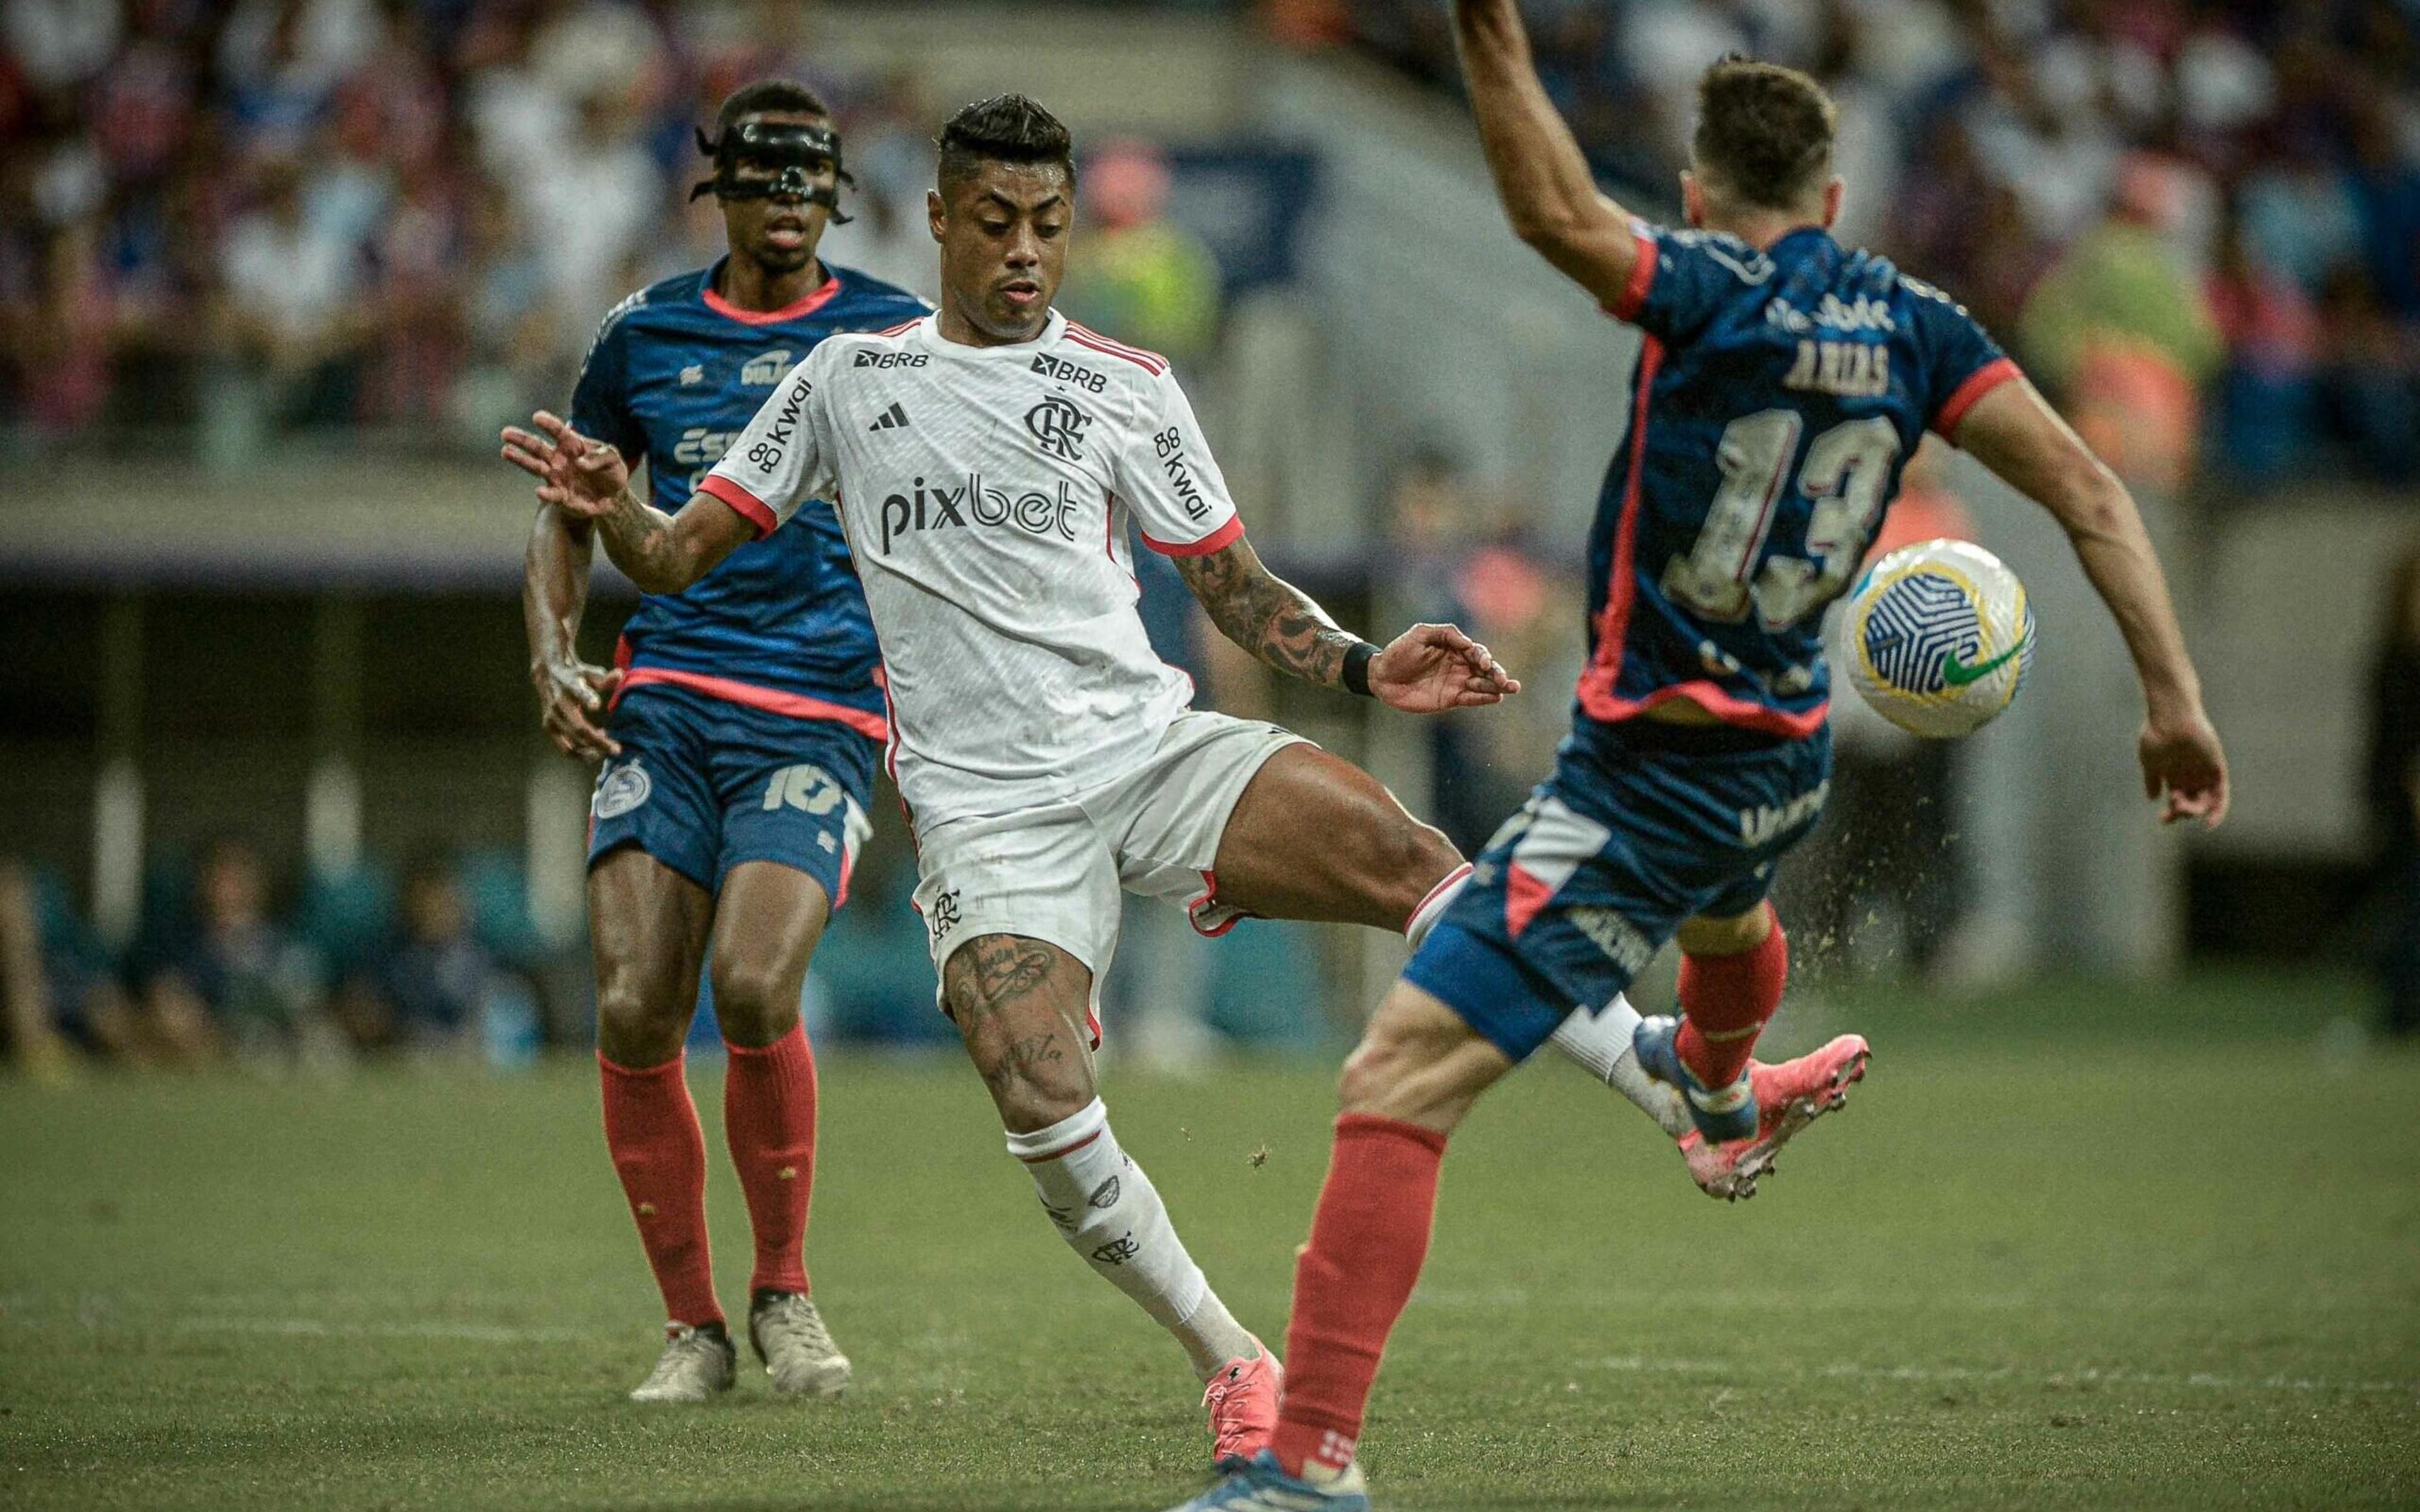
1640,827
704,784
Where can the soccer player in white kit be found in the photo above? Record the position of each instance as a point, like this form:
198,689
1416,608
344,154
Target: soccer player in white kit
987,462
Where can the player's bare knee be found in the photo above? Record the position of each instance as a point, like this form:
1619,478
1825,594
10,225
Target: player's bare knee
756,1000
1735,935
1406,859
1037,1080
638,1024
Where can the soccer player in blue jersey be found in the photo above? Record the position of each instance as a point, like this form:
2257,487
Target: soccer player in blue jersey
738,730
1783,382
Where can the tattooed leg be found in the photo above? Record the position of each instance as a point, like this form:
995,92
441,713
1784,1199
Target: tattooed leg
1020,1007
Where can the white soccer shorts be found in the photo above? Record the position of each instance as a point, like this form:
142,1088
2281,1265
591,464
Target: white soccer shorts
1053,872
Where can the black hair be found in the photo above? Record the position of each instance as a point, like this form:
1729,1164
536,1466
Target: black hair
1003,129
777,96
1764,132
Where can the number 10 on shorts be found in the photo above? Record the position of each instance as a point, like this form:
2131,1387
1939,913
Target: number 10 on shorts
806,787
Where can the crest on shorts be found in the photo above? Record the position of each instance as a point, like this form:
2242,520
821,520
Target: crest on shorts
619,790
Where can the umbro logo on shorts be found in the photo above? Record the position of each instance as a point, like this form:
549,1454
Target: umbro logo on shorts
893,418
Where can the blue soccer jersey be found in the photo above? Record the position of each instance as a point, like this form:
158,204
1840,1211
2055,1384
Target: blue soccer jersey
1777,397
675,373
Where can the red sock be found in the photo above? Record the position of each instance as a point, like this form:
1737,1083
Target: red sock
660,1152
1352,1280
769,1116
1725,1001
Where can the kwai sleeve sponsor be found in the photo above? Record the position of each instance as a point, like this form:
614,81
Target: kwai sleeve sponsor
783,458
1168,478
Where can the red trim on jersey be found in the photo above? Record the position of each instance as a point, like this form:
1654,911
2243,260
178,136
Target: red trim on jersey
1613,622
1604,674
1085,336
1218,540
806,305
1732,710
1962,399
901,328
1633,298
752,509
622,653
771,700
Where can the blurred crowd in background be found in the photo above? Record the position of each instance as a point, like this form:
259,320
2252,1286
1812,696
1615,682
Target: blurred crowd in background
2196,222
2202,215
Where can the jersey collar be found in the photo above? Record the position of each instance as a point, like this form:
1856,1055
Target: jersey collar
929,331
795,310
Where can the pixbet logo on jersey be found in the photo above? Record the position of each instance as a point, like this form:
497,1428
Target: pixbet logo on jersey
935,508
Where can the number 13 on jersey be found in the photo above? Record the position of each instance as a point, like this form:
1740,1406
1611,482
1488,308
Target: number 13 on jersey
1846,470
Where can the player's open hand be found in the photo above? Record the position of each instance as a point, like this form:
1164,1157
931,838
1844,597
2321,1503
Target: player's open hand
572,697
1431,668
2184,765
580,476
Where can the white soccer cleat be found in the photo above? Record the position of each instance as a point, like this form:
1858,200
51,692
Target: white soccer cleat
797,1348
695,1366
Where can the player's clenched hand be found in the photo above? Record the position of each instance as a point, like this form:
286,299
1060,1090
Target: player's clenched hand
572,695
580,476
1430,668
2183,762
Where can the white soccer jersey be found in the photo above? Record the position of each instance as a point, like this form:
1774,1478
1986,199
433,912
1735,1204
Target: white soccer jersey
986,492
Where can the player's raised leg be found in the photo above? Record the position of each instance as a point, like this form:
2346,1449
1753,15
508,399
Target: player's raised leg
649,925
1316,838
1732,970
765,925
1024,1008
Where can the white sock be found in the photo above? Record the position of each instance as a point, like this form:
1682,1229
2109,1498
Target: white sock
1600,1042
1108,1211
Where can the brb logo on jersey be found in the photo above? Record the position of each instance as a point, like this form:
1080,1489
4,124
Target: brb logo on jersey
939,509
1059,425
873,359
766,369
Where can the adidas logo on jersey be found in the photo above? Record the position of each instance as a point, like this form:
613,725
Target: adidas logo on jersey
893,418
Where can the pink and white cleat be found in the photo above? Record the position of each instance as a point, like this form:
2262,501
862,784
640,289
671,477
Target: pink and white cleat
1789,1097
1243,1402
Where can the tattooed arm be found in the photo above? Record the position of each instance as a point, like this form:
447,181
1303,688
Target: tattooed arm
588,482
1266,615
1427,668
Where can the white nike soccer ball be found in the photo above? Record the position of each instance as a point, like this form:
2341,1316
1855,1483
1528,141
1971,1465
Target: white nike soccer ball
1938,637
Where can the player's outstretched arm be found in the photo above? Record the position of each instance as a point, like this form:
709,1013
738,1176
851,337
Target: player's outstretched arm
2014,431
554,595
1540,175
1426,669
588,481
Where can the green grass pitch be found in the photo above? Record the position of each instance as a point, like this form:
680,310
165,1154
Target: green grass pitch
2068,1249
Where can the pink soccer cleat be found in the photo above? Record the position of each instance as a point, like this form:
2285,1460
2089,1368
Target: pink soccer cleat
1789,1097
1243,1402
